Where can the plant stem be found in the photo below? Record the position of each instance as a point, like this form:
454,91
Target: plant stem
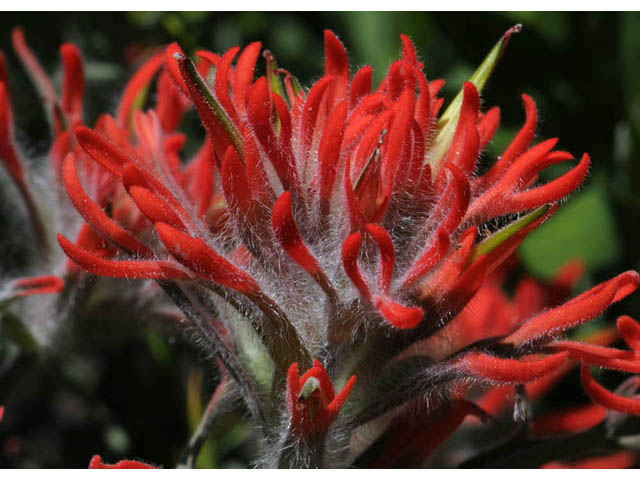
36,219
215,408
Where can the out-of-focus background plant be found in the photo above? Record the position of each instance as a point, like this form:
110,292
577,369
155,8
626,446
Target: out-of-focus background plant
116,384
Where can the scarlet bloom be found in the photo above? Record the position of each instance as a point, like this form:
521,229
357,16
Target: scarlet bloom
341,223
97,463
311,401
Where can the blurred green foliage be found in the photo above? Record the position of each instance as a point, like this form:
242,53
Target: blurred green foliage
131,392
584,229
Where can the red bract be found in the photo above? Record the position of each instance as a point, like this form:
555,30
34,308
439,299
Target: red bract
96,463
574,420
37,285
339,222
312,403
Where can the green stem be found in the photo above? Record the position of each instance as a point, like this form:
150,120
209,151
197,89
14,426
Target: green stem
217,406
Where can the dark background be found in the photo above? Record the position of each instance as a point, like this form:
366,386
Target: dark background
139,394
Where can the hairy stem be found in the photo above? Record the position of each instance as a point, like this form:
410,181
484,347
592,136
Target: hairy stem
217,406
217,344
36,219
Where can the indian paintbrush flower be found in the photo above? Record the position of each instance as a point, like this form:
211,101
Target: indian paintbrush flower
334,232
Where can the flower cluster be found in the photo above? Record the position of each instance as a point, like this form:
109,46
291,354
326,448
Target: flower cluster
333,231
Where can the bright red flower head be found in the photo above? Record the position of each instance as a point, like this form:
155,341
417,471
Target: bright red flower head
340,222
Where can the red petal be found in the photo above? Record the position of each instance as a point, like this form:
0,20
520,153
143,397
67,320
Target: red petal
518,145
463,151
222,83
235,183
37,286
336,404
429,259
293,391
350,251
135,174
398,132
319,373
606,357
423,105
552,191
387,255
409,51
212,58
400,76
203,260
462,193
259,110
467,285
488,125
522,166
497,200
310,111
445,276
354,209
101,150
284,116
171,103
258,182
398,315
582,308
325,383
568,275
329,152
171,66
140,80
509,370
33,67
606,398
244,74
95,216
73,80
96,463
570,421
630,331
360,85
288,235
336,62
159,270
153,207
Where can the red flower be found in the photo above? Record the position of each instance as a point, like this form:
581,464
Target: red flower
96,463
339,222
312,403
